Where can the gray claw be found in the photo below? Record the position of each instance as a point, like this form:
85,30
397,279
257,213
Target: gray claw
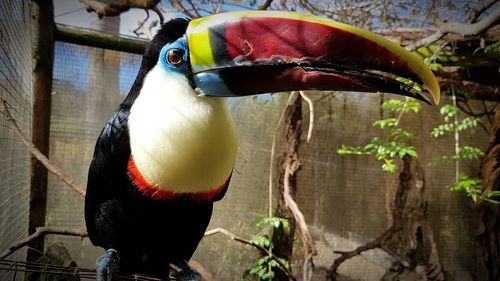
106,265
187,273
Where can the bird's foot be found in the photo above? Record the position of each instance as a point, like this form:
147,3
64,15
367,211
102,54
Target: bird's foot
107,264
187,273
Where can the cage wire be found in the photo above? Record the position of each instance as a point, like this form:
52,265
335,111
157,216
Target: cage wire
89,84
46,272
15,89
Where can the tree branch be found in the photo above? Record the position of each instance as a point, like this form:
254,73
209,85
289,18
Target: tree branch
117,7
476,14
140,24
376,243
307,241
265,5
311,114
36,153
458,28
40,232
178,5
233,236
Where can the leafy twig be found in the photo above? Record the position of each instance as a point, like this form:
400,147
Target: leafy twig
233,236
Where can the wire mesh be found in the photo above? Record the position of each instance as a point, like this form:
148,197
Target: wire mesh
88,85
15,89
47,272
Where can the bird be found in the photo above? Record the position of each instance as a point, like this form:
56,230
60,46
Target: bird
169,149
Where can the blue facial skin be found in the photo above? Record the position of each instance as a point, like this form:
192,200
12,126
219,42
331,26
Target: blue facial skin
205,83
181,48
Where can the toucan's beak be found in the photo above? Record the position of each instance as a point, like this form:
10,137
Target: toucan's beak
253,52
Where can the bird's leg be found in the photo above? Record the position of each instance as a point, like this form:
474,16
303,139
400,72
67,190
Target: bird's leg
107,264
187,273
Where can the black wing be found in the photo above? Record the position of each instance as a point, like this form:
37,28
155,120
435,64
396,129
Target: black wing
107,180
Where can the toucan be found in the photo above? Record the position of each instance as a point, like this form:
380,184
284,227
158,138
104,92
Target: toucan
168,151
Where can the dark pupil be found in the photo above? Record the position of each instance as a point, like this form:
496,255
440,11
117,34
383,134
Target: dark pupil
174,57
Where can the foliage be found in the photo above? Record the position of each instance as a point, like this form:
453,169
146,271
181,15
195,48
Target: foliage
397,142
265,266
470,185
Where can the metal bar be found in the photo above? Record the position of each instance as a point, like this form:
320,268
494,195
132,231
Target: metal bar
99,40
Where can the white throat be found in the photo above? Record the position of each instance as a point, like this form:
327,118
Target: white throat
180,142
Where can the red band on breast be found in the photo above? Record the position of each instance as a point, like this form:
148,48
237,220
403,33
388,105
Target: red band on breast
156,193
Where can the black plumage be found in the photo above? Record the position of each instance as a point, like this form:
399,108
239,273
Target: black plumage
148,234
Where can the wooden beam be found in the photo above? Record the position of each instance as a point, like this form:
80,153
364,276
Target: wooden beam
42,14
99,40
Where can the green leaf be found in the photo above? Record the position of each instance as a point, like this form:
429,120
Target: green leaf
389,166
389,122
469,122
449,111
262,241
400,134
470,153
471,186
408,105
274,222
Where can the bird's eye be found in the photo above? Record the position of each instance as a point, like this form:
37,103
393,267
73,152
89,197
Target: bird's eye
174,57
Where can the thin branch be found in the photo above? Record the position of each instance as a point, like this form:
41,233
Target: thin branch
265,5
307,241
476,14
36,153
159,13
458,28
141,23
233,236
117,7
149,31
177,4
41,232
376,243
311,115
273,153
194,8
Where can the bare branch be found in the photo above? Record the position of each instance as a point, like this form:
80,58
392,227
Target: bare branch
159,13
178,5
149,31
273,153
307,241
265,5
458,28
141,23
311,115
36,153
117,7
233,236
376,243
41,232
476,14
194,8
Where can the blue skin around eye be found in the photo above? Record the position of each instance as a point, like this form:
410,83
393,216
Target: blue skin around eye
180,44
206,83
